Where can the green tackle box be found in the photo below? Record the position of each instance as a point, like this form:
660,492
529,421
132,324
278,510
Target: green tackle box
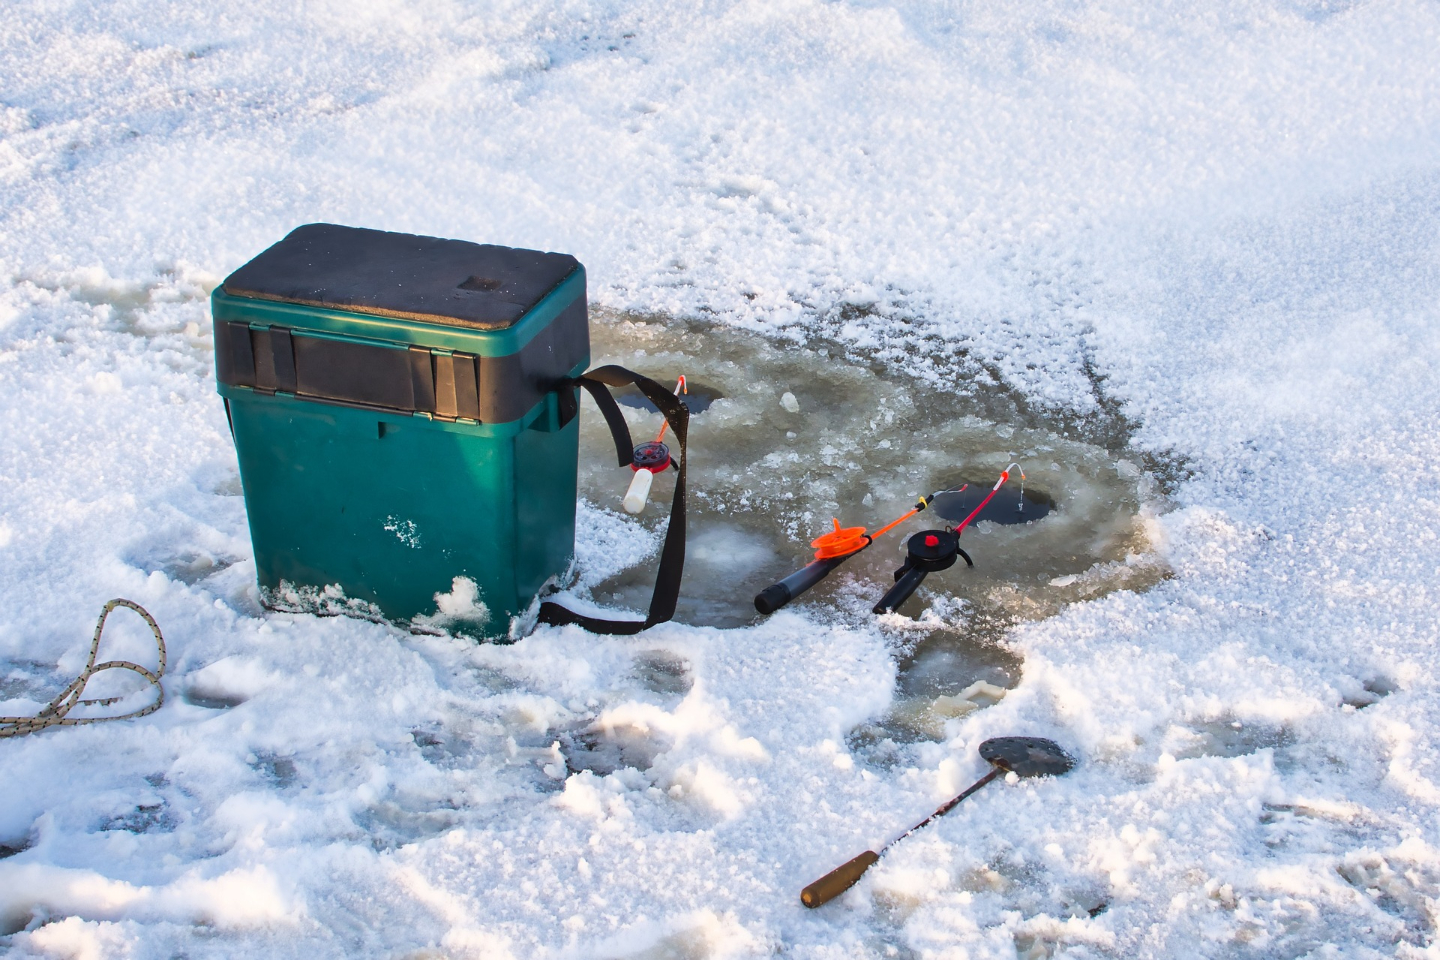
405,423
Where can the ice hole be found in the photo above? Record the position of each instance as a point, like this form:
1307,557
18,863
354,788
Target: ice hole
697,397
866,442
16,845
198,697
1010,505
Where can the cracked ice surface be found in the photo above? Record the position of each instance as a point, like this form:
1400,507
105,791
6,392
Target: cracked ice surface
1214,224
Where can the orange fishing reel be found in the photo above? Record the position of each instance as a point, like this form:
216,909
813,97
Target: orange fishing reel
840,542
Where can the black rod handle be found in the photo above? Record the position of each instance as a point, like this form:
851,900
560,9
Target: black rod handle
775,596
899,593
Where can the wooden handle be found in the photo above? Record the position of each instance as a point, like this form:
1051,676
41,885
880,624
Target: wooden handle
837,881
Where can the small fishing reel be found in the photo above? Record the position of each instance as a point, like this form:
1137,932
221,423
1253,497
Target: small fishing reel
653,456
650,458
927,552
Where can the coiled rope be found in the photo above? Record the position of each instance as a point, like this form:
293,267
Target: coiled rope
54,715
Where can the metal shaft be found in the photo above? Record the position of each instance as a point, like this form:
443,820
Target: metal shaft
945,807
845,876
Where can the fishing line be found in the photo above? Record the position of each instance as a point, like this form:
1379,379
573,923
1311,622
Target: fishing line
649,459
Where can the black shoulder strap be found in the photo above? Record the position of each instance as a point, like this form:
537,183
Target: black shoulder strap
672,556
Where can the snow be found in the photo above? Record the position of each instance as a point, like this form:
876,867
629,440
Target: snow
1217,221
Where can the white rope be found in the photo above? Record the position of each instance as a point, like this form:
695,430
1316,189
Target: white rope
54,715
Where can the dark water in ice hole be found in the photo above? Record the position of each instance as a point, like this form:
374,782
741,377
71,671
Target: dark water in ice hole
765,480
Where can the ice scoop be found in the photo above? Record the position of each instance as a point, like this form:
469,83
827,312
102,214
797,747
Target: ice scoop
1022,756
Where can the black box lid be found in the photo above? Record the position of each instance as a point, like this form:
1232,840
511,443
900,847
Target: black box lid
451,282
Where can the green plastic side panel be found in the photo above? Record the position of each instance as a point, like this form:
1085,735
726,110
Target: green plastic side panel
392,508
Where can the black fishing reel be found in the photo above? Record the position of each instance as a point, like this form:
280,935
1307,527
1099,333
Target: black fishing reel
927,552
653,456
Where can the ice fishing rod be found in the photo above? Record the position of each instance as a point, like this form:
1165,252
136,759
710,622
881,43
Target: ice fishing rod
834,548
931,551
1022,756
649,459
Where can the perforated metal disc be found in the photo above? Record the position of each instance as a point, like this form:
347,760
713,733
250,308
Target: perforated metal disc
1027,756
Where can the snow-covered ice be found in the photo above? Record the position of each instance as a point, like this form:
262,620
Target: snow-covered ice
1217,224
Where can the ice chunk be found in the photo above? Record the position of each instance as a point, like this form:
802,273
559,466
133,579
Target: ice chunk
971,698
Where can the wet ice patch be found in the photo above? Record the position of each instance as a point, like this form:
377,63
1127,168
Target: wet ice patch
662,672
1226,737
192,566
1361,694
767,473
918,716
144,818
726,548
864,446
1403,882
629,734
277,769
603,749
